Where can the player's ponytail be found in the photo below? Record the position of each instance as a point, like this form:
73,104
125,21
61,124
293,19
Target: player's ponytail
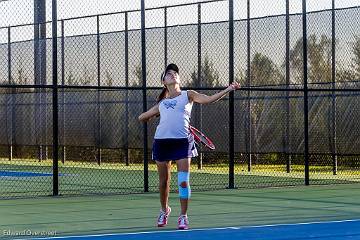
162,95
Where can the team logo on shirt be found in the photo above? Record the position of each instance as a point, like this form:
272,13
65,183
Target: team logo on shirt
170,104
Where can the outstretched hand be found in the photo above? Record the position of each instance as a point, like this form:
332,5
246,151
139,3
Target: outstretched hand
233,86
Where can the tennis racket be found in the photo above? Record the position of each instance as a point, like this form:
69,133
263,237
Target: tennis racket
200,138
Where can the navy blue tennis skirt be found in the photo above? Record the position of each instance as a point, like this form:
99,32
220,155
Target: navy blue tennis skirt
173,149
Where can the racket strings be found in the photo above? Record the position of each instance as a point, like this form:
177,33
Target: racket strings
201,138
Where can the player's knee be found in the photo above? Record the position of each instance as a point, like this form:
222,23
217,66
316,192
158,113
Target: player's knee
184,186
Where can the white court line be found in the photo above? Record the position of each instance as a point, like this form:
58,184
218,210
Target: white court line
198,229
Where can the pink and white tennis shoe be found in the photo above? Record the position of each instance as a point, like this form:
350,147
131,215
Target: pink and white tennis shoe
183,222
163,217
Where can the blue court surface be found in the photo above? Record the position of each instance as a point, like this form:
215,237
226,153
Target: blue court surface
25,174
346,229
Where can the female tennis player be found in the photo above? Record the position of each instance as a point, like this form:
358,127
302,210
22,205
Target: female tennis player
173,141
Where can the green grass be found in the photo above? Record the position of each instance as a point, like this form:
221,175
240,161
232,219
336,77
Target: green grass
109,178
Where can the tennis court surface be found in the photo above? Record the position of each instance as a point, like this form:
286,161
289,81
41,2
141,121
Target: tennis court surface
312,212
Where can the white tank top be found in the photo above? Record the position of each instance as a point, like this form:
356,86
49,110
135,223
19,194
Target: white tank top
175,116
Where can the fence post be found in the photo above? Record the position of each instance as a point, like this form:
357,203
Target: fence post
199,69
126,146
55,101
333,98
165,38
287,76
143,64
37,79
40,72
231,95
98,102
42,44
63,89
36,41
248,139
11,131
43,79
305,89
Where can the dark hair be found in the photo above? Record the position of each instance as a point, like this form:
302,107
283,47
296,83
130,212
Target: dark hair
164,92
162,95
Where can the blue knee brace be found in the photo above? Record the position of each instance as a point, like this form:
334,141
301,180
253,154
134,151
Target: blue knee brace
184,185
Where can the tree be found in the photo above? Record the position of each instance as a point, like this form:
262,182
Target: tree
319,71
352,73
356,59
87,77
319,59
71,79
209,77
241,78
344,75
22,79
138,74
108,78
264,110
264,71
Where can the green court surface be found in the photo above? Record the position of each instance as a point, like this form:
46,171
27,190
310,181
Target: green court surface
83,215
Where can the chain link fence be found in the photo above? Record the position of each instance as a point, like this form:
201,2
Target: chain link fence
282,128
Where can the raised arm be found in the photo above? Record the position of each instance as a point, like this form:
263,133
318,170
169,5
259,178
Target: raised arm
152,112
205,99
